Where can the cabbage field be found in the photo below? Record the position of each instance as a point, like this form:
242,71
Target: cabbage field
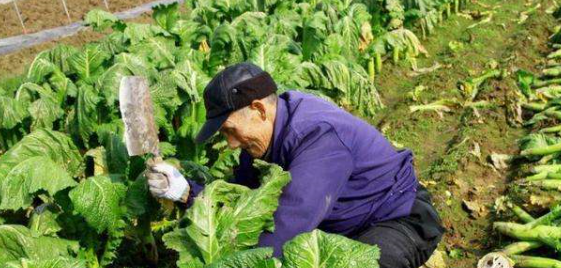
459,82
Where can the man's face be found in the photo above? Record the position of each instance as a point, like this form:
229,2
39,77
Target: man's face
250,128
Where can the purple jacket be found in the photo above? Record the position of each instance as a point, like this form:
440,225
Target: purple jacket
345,174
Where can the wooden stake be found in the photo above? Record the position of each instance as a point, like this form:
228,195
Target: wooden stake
106,5
19,17
66,10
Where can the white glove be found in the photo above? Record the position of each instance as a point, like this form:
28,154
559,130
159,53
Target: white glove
165,181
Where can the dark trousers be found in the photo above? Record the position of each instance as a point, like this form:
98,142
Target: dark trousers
407,242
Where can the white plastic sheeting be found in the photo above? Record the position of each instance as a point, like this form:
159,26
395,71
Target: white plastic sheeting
15,43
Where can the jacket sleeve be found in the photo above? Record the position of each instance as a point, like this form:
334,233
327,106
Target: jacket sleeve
245,173
321,164
194,190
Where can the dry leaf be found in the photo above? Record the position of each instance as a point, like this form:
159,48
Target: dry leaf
500,161
476,150
436,260
476,209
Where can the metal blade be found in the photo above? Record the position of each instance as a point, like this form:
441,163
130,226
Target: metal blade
141,135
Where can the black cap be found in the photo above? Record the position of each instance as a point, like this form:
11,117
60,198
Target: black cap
232,89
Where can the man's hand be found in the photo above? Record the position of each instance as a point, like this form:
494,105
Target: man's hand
165,181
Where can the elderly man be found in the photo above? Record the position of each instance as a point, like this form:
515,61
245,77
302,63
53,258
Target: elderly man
346,177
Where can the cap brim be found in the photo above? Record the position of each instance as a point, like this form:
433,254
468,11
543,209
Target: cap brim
210,127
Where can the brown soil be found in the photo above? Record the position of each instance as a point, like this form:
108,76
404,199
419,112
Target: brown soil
45,14
15,63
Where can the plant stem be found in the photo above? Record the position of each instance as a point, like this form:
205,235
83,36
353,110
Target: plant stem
520,247
534,262
542,83
12,139
395,55
522,232
429,29
534,106
553,129
371,70
548,184
543,176
361,89
551,149
547,218
548,235
554,176
553,114
546,168
471,86
3,145
456,6
522,214
555,54
555,71
490,74
537,177
423,30
549,91
378,61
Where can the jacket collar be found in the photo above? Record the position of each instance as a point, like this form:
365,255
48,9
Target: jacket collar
281,120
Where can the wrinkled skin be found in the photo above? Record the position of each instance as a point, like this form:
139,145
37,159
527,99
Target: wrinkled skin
251,128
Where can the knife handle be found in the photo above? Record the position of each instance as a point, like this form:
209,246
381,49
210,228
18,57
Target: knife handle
157,157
